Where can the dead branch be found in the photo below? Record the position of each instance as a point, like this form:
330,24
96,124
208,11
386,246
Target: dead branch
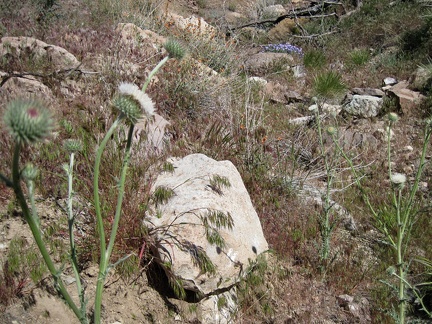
64,73
308,12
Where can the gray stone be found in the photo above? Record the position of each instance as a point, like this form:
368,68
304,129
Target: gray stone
24,46
407,99
176,225
421,79
368,92
299,71
364,106
389,81
154,131
274,11
259,63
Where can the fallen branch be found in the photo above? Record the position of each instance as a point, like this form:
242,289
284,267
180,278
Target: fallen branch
308,12
66,73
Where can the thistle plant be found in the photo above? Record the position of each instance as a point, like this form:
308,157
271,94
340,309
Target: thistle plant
131,104
29,122
327,220
403,216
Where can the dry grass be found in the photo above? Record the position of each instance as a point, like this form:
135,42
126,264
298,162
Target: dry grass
224,118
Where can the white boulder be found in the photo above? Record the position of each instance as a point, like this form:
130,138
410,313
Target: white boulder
177,223
364,106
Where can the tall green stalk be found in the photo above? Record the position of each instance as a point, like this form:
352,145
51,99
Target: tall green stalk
106,252
73,252
34,227
326,225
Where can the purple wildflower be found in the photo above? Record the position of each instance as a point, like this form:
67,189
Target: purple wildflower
283,48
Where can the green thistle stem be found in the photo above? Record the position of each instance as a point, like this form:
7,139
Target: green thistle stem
37,234
71,220
120,195
153,72
400,258
30,186
7,182
99,220
326,224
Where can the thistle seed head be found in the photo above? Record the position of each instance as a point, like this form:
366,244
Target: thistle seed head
72,145
398,180
391,270
28,120
175,49
393,117
30,172
133,103
331,130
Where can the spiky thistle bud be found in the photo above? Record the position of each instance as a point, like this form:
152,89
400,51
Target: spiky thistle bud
132,102
72,145
391,270
393,117
174,49
331,130
30,172
28,120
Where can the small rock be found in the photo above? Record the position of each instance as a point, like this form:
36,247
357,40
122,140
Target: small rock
293,96
364,106
344,300
368,92
259,80
68,280
327,109
389,81
299,71
259,63
301,120
421,80
274,11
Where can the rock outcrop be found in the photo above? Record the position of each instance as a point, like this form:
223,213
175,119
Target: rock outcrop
28,46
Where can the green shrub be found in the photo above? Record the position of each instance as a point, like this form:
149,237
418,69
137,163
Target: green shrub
328,84
359,57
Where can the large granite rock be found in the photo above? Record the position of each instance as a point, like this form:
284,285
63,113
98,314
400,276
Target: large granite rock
176,224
